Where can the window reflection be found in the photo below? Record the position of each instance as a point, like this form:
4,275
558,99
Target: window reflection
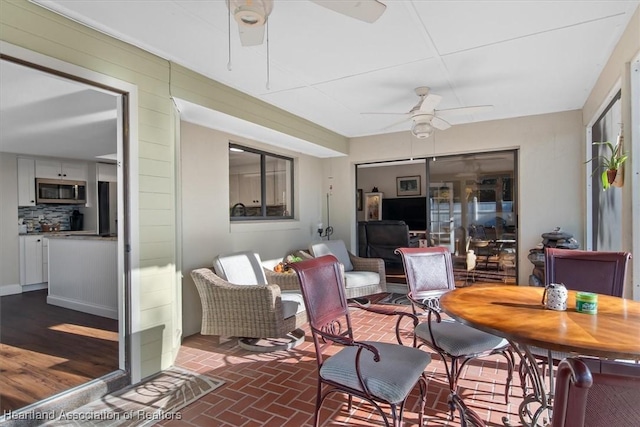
260,184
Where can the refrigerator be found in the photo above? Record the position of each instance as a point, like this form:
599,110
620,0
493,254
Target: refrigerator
107,208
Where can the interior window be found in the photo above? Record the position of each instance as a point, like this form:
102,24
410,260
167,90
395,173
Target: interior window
260,184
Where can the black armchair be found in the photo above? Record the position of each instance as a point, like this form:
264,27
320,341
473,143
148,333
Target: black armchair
380,239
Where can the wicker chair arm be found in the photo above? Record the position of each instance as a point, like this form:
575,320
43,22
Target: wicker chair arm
286,281
368,264
244,301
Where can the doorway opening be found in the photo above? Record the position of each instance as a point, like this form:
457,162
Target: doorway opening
466,203
62,314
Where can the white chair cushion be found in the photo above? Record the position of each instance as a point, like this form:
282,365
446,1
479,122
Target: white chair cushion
240,268
336,248
356,279
458,339
292,303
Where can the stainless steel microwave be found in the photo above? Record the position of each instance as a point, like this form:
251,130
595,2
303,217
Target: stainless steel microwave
61,191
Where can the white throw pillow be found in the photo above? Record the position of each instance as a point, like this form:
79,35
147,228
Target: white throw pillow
337,248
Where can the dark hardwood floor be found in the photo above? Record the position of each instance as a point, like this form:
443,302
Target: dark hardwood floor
45,349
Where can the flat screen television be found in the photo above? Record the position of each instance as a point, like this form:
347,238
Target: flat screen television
412,210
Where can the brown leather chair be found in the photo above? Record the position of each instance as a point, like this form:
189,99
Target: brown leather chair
380,239
596,393
587,271
377,372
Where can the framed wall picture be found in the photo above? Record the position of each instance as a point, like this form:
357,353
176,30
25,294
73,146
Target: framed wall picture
359,199
408,185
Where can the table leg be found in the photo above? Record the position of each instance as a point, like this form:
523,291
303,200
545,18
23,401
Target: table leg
536,401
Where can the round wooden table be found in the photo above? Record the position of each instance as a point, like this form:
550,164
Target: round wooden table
517,314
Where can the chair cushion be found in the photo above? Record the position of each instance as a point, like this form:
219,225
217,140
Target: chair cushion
391,379
544,353
336,248
292,303
356,279
458,339
240,268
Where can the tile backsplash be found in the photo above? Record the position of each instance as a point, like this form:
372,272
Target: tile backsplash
51,213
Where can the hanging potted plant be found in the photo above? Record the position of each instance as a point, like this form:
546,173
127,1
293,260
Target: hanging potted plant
609,163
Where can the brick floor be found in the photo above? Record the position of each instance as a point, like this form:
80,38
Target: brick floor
279,388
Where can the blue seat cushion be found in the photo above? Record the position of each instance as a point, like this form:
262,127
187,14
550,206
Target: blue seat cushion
458,339
391,379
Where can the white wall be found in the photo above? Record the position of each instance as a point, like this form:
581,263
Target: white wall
206,227
384,178
9,242
550,190
617,73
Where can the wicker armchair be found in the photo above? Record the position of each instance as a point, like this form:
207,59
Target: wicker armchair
237,301
362,276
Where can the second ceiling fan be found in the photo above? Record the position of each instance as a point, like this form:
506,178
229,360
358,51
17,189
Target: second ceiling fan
426,118
252,15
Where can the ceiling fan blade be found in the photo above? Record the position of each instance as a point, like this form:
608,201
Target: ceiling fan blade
383,113
466,110
251,36
430,102
396,123
439,123
364,10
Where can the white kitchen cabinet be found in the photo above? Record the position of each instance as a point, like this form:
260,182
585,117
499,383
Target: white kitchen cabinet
26,182
56,169
33,260
249,186
107,172
45,260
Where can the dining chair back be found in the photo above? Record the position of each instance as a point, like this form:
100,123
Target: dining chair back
596,393
377,372
429,273
587,271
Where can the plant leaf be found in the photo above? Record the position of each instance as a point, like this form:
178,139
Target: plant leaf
605,180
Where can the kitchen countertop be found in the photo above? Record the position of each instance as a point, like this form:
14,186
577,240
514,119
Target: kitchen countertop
64,232
63,235
68,234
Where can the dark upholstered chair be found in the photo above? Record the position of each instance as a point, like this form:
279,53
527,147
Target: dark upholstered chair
374,371
429,273
588,271
237,301
380,239
596,393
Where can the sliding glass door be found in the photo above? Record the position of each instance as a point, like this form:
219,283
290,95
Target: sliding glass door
472,207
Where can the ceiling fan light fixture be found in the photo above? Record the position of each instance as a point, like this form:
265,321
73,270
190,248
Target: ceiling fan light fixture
249,16
250,13
422,130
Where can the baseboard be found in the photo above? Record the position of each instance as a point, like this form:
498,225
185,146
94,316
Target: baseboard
10,290
83,306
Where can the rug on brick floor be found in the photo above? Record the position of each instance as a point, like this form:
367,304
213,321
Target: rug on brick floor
159,398
395,299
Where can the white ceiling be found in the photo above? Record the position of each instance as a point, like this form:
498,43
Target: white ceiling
46,115
522,57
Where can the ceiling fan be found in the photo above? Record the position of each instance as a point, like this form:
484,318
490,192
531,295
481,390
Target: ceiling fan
425,116
252,15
